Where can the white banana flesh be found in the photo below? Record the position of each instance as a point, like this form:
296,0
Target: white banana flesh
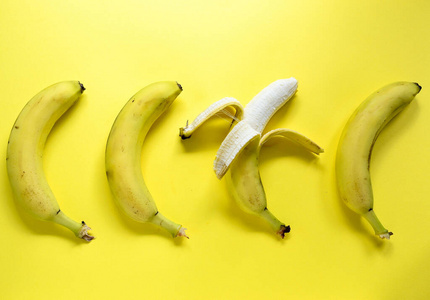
237,139
25,150
240,150
123,154
356,144
257,114
266,103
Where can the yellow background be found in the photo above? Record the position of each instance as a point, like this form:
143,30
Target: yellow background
340,52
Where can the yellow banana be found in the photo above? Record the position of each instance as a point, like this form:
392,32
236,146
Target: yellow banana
244,180
356,144
123,154
240,150
25,150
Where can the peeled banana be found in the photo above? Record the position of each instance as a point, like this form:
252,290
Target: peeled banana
356,144
123,154
240,150
25,150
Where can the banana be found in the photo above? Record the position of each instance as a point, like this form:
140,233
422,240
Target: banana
123,154
239,152
356,144
25,150
245,183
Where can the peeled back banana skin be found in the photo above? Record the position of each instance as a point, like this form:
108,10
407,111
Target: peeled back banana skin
25,150
123,154
356,144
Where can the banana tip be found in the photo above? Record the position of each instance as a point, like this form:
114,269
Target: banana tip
82,87
283,230
386,235
181,232
182,133
419,87
84,233
180,86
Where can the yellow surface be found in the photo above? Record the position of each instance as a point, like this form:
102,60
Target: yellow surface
340,52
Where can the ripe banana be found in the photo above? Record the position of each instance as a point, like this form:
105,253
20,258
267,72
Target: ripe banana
244,180
123,154
240,150
356,144
25,150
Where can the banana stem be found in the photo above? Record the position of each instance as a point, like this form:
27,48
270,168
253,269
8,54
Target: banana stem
277,225
174,229
79,229
380,230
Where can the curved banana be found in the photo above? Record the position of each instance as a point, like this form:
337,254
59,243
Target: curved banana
123,154
356,144
25,150
240,150
244,184
244,180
